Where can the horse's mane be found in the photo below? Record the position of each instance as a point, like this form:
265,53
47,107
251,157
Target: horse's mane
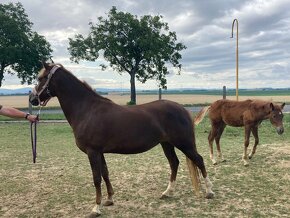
84,83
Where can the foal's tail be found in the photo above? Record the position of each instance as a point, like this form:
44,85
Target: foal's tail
201,114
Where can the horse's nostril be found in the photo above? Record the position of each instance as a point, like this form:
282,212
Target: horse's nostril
34,101
280,131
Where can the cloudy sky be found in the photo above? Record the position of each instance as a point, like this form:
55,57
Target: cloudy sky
204,26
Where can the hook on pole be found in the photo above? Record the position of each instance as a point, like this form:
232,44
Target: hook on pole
237,56
233,24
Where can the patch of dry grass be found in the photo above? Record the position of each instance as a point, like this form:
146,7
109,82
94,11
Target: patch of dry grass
60,183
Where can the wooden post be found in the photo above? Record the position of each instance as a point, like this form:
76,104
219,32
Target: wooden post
29,104
224,92
160,94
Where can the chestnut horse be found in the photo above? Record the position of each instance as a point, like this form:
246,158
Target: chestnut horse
101,126
248,113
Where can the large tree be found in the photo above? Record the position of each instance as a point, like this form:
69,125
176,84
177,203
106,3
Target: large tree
141,47
21,49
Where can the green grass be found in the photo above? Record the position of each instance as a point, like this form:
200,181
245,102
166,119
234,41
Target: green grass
60,183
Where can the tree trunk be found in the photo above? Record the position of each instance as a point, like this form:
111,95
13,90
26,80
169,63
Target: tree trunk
133,89
1,75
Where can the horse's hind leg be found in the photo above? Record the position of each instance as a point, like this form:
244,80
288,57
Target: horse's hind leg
105,175
255,134
213,133
246,144
217,141
197,159
173,162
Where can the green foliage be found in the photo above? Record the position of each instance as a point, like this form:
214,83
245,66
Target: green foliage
131,103
140,47
21,49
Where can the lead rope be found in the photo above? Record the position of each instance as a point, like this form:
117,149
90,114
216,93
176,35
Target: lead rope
33,136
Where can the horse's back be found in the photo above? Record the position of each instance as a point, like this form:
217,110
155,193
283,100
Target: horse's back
168,113
229,112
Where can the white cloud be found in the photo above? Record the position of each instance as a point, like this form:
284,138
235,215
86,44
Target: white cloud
203,26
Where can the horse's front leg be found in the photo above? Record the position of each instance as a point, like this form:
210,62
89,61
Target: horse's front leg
246,144
255,134
95,159
105,175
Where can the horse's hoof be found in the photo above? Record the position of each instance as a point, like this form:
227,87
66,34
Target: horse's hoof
246,164
209,195
108,203
214,163
93,215
250,157
164,196
223,160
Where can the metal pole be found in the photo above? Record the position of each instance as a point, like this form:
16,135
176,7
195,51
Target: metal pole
237,57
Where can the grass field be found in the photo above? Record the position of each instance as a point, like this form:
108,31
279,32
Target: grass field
60,183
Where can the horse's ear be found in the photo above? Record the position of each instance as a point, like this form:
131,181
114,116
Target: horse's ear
272,106
45,65
282,105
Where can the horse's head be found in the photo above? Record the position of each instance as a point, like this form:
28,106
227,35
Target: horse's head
42,93
276,117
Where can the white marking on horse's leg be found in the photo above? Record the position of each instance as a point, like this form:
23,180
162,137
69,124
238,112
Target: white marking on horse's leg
245,157
208,187
251,154
96,210
170,189
221,157
246,163
211,156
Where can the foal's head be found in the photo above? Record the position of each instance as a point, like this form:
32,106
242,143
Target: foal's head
276,117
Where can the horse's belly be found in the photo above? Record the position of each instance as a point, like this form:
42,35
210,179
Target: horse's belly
128,148
234,123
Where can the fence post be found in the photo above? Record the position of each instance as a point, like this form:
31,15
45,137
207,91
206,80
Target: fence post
224,92
160,94
29,104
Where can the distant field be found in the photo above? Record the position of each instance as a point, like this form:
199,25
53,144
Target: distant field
185,99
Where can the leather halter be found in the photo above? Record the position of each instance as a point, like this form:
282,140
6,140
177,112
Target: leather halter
45,86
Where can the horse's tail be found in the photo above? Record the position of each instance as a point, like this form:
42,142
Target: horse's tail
201,114
194,176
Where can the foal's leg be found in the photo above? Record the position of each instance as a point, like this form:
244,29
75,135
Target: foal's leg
217,141
105,175
211,137
173,162
246,144
255,134
95,159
